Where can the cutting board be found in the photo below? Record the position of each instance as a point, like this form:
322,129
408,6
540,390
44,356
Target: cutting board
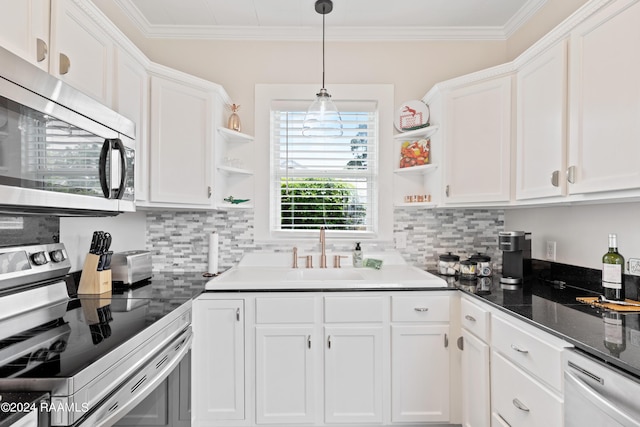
595,301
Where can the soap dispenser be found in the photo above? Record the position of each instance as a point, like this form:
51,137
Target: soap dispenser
357,256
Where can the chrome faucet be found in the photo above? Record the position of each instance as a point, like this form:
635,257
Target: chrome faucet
323,255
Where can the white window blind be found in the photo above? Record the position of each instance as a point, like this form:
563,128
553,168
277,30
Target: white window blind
324,182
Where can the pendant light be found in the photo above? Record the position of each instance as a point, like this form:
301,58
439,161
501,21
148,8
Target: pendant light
322,118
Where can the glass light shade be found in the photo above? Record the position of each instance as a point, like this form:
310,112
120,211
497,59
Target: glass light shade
322,118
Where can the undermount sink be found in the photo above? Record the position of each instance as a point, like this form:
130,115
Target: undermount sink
322,274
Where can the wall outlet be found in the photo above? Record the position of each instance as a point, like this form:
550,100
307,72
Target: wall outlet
400,238
634,266
551,250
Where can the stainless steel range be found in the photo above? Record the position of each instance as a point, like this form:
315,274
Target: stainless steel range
98,356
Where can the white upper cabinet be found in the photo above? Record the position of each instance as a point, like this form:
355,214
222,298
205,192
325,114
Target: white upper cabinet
181,153
477,139
131,99
24,29
541,108
81,51
604,100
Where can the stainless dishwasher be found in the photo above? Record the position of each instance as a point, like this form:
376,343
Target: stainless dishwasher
598,395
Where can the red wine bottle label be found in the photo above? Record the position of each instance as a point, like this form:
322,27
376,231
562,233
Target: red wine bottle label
612,276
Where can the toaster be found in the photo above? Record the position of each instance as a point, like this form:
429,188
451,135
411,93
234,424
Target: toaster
131,266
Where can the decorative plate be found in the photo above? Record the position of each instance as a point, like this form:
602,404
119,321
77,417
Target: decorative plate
411,115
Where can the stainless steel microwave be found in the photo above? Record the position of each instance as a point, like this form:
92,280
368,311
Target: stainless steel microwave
61,152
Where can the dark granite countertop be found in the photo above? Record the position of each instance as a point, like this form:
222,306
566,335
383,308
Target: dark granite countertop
553,308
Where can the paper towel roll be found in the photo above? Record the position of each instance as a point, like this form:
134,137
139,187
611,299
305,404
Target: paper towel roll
213,253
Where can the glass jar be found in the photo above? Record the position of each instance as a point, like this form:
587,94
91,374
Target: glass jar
468,270
483,264
448,264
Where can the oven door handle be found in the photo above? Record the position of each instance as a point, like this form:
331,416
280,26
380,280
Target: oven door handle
598,400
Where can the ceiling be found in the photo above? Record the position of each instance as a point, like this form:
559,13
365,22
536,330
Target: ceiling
350,20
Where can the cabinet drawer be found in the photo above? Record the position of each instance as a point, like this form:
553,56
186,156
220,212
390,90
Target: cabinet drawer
475,319
542,358
519,400
285,310
354,309
422,308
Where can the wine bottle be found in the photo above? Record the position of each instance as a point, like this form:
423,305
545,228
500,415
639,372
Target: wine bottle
612,270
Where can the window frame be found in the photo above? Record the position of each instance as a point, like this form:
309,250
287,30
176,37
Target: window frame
382,94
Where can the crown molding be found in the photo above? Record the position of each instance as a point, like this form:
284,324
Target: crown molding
357,34
525,13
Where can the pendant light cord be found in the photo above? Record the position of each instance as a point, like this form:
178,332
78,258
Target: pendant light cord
323,15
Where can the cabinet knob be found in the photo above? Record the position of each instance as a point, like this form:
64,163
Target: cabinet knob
65,64
41,50
555,178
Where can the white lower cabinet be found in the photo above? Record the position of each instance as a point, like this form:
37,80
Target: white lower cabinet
353,374
285,368
419,373
317,359
520,400
476,381
218,364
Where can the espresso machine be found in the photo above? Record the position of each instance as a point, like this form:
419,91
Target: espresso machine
516,256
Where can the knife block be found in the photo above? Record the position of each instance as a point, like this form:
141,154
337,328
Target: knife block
94,282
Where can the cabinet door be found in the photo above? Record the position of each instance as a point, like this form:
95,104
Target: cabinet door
419,373
353,374
285,369
478,142
476,397
541,125
24,30
604,101
181,135
131,99
81,51
217,380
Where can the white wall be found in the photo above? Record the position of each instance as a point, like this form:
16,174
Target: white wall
128,232
580,231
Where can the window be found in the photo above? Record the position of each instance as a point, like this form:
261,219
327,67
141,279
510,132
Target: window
324,182
342,183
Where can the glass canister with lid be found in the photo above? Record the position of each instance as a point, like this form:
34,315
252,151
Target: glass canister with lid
468,269
483,264
448,264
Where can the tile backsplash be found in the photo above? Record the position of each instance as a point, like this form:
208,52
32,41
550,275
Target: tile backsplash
179,240
23,230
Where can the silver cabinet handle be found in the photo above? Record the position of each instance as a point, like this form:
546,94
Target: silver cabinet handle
518,349
555,178
460,343
329,341
65,64
41,50
571,174
470,318
446,191
238,314
209,192
520,405
421,309
446,341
